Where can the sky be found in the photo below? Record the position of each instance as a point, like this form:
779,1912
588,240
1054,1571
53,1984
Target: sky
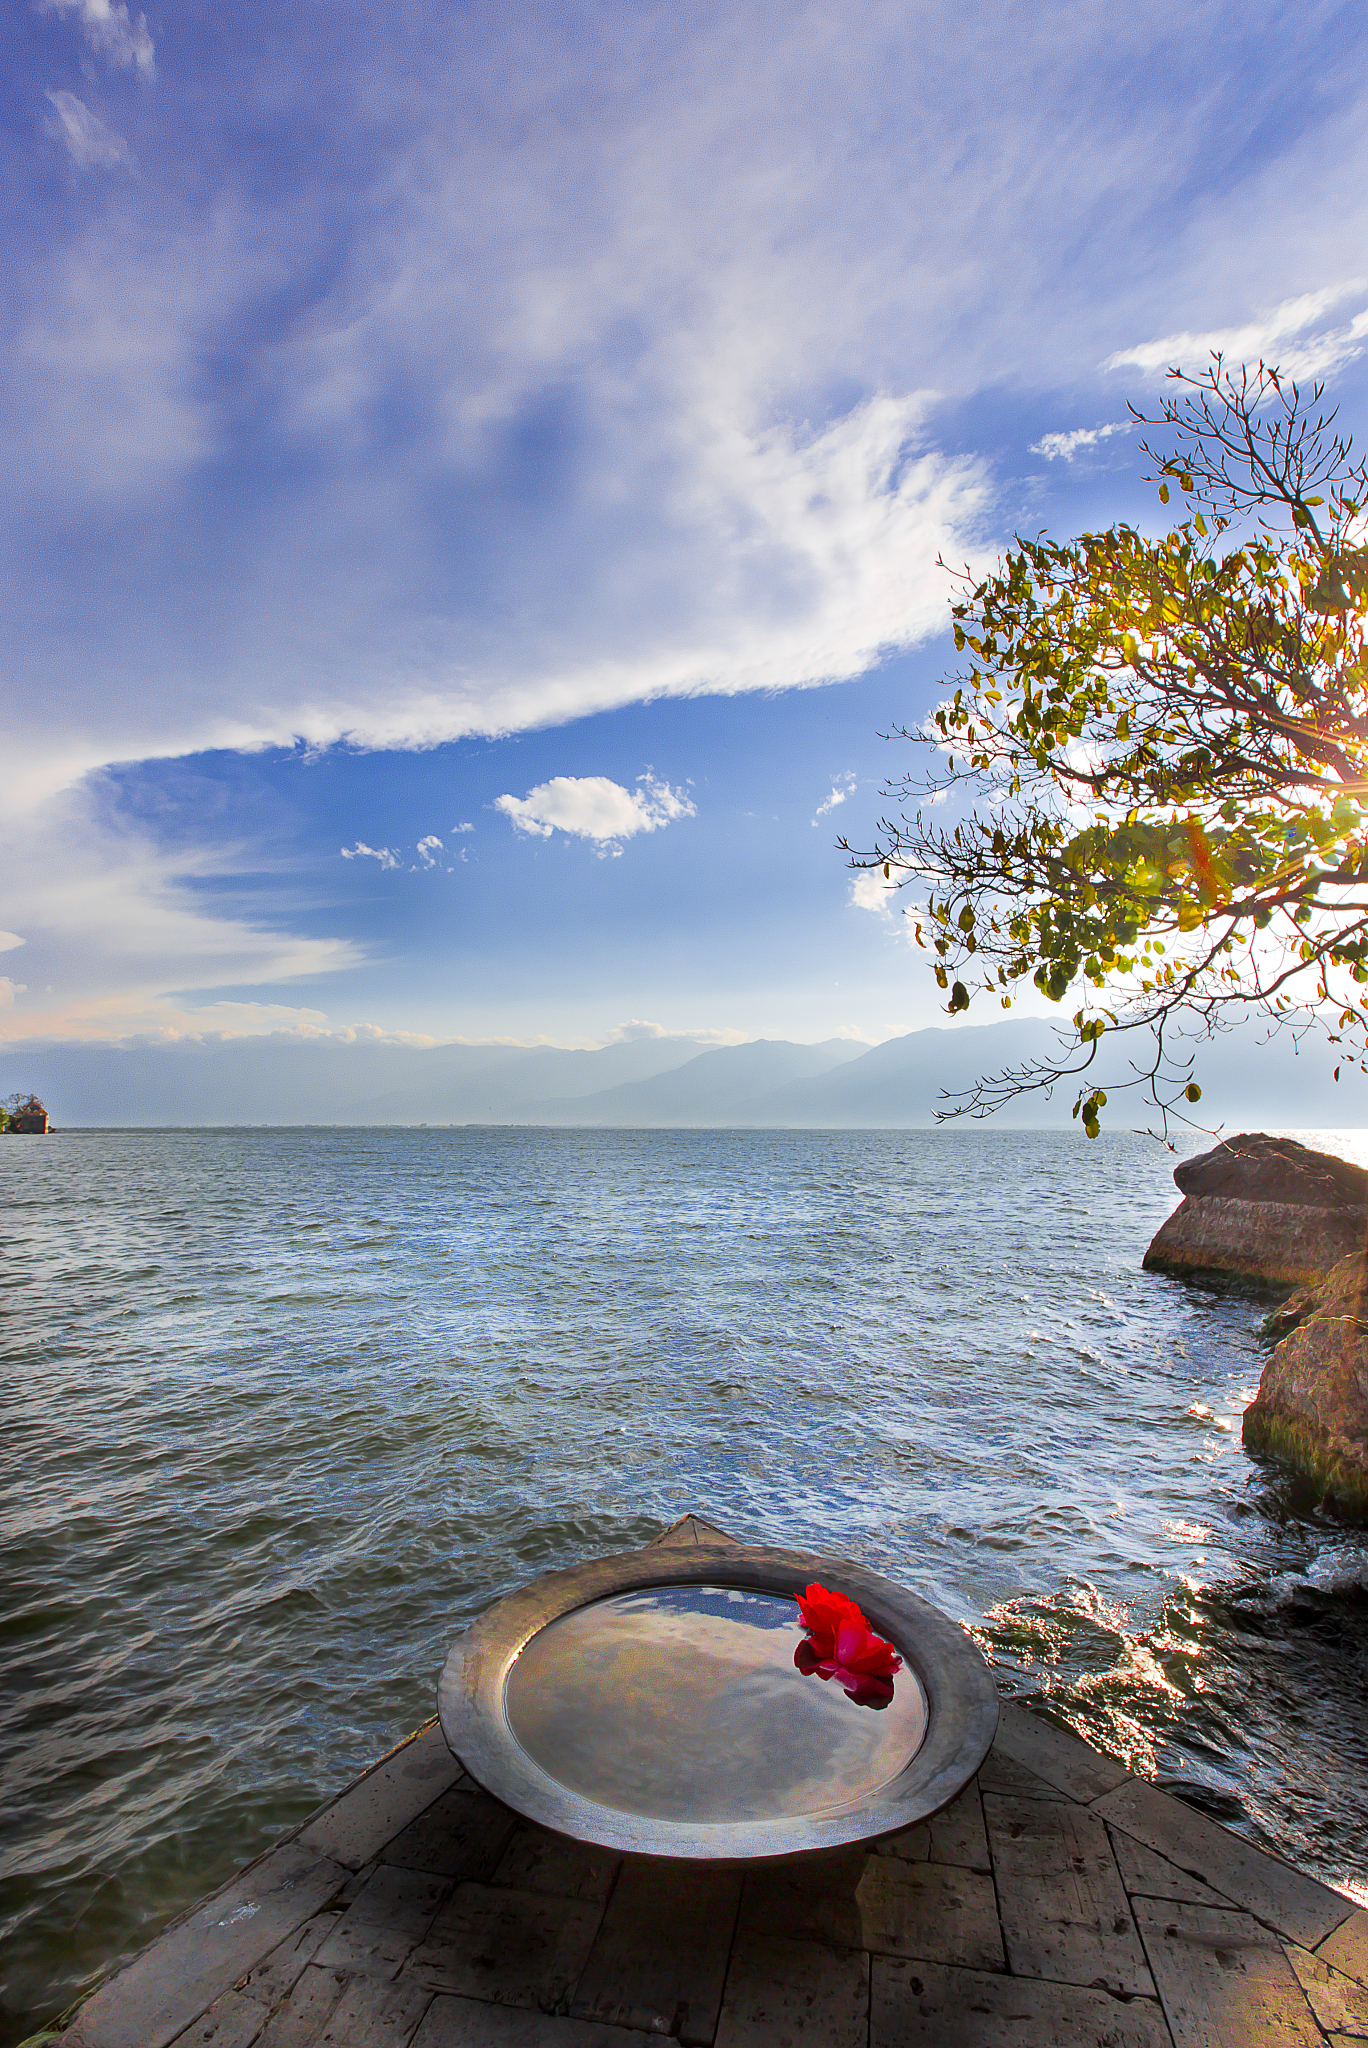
476,476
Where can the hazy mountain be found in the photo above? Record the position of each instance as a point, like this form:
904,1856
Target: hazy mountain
507,1090
644,1082
719,1087
288,1080
836,1083
903,1080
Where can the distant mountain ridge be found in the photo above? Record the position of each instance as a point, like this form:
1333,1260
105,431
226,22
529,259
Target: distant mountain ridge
723,1086
642,1083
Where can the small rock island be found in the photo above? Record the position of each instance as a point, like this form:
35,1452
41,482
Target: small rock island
1272,1212
25,1116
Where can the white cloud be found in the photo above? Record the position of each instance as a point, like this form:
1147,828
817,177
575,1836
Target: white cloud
841,788
110,32
869,890
9,990
386,855
8,941
592,807
463,828
640,1027
428,849
118,930
89,143
736,366
1290,338
608,373
1068,445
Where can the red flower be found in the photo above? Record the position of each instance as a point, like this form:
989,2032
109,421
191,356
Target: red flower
822,1613
840,1644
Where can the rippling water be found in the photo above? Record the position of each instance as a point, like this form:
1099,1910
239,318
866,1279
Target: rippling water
282,1407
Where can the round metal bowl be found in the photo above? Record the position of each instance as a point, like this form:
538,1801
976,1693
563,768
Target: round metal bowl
556,1703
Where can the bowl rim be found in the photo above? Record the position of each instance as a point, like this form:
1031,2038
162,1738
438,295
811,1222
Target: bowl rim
961,1703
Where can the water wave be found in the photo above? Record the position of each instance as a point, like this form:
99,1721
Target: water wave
282,1409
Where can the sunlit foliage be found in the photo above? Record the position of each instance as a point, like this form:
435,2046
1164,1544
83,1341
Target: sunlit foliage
1154,766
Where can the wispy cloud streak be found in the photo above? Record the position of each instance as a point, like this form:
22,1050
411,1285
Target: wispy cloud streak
88,142
123,40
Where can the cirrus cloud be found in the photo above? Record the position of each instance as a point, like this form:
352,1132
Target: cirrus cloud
1293,336
88,142
111,32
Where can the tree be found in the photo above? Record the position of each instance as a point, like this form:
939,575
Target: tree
1156,761
20,1104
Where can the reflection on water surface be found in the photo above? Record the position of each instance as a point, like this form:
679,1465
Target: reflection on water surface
683,1703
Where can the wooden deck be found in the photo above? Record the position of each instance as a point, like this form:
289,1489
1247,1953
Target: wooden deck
1059,1903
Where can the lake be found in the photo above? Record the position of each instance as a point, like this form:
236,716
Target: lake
283,1407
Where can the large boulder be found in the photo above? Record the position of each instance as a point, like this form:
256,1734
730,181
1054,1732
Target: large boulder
1266,1210
1312,1403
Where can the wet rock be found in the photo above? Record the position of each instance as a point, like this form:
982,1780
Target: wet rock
1263,1209
1289,1315
1312,1403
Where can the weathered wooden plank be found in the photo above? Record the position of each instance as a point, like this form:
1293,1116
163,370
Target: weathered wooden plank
956,1835
1296,1905
926,2005
469,2023
301,2019
374,2013
463,1833
688,1532
929,1910
1347,1948
812,1899
1067,1764
1340,2003
159,1993
370,1813
272,1977
538,1861
1064,1909
794,1994
1146,1874
389,1917
660,1957
238,2016
879,1902
232,2021
1001,1773
510,1947
1223,1980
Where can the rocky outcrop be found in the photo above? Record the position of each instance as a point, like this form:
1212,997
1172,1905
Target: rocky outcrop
1312,1404
1266,1210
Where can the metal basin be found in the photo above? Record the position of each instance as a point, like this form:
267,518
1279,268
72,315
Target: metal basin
649,1703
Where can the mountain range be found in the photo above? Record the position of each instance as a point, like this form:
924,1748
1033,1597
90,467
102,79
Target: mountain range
645,1083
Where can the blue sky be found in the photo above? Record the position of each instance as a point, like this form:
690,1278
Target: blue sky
518,441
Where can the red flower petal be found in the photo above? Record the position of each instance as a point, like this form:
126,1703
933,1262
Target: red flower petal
842,1645
823,1612
871,1692
859,1649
